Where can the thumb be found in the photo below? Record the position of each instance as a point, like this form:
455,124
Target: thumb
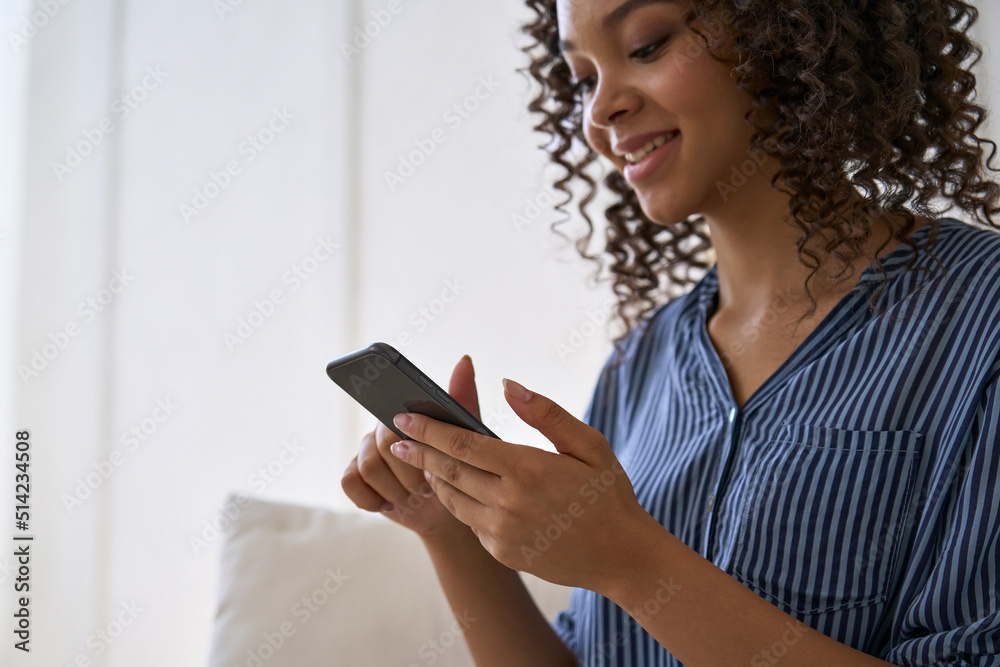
569,435
463,386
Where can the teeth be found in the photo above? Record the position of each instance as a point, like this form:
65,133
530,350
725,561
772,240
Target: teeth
641,154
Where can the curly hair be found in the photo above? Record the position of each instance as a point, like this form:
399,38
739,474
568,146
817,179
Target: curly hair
863,96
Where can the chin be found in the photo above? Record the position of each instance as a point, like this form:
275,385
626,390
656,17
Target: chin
663,211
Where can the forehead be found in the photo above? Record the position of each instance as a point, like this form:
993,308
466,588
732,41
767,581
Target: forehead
576,15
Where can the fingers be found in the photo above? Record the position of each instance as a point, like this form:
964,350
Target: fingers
379,473
411,479
463,386
459,443
568,434
359,492
463,507
472,481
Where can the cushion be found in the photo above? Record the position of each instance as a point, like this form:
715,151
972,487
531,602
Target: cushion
303,586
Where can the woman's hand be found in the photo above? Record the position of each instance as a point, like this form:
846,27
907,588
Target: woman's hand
377,481
558,516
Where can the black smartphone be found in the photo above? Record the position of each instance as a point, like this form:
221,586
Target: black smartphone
386,384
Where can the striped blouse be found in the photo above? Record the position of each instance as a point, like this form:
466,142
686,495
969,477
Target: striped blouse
857,489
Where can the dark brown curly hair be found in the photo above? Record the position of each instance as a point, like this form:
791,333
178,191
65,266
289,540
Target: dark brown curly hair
858,96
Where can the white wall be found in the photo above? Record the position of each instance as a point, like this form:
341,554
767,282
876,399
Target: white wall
985,31
210,81
521,293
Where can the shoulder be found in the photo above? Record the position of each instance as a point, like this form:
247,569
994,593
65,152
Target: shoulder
970,268
968,248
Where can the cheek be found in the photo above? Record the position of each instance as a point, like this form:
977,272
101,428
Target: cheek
595,138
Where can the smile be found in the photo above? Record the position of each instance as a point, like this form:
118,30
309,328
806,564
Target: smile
645,160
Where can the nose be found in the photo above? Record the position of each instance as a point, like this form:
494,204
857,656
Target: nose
613,102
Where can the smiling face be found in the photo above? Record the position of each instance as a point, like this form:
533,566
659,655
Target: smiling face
643,75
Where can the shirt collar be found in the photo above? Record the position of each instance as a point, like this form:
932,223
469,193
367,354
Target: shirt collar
893,263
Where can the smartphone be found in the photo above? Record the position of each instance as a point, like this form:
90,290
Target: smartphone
385,383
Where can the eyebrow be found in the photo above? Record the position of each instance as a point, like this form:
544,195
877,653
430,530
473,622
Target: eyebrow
617,15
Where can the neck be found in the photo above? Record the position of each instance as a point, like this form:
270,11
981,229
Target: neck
758,261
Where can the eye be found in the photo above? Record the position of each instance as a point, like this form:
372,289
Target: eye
578,88
648,50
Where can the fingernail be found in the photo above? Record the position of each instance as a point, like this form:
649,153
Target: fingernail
386,507
517,391
402,421
427,476
400,450
426,491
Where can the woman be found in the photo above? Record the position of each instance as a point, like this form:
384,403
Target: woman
796,461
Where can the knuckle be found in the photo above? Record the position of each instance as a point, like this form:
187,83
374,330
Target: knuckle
553,415
464,443
382,441
415,455
505,507
350,472
526,475
448,501
369,465
451,470
349,482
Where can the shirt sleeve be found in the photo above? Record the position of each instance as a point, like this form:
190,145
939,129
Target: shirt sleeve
565,627
954,618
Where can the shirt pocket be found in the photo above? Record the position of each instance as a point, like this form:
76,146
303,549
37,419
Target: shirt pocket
822,516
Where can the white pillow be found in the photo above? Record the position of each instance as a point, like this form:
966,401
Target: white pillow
302,586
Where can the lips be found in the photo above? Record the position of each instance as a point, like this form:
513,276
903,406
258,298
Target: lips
651,160
632,144
640,154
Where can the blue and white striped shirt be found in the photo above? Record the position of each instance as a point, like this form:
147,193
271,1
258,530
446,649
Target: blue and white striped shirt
858,489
